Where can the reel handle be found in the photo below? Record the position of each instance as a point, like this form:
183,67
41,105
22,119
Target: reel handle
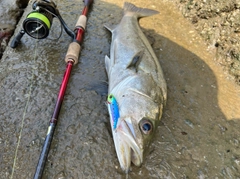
17,39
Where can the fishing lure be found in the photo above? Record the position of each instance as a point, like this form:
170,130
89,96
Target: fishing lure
113,110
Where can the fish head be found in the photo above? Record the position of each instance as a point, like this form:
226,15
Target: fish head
133,135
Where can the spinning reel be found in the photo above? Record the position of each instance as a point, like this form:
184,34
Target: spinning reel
38,22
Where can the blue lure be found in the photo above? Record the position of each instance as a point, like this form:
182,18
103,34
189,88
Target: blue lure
113,109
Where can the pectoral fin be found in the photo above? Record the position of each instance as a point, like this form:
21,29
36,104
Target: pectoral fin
136,61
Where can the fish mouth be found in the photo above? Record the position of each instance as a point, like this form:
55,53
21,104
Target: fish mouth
126,146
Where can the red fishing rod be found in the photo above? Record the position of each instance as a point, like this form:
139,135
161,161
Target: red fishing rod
71,59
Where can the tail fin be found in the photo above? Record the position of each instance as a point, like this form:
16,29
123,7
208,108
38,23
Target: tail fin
137,11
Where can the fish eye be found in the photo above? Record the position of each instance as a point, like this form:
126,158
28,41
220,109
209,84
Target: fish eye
146,126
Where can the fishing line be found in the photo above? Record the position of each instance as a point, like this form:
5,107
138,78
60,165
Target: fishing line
25,109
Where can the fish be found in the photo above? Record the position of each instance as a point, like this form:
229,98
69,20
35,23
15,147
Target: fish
137,90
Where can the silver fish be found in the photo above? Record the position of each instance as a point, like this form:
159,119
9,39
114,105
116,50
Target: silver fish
137,88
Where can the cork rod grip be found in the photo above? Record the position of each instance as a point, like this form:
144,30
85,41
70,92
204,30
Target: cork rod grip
73,52
82,20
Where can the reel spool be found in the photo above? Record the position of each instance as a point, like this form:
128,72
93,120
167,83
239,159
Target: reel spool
37,24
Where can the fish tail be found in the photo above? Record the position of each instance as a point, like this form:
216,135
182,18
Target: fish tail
132,10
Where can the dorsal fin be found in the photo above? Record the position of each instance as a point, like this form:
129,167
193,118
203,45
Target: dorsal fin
109,27
136,61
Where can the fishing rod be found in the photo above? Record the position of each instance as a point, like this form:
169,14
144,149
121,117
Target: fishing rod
37,25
